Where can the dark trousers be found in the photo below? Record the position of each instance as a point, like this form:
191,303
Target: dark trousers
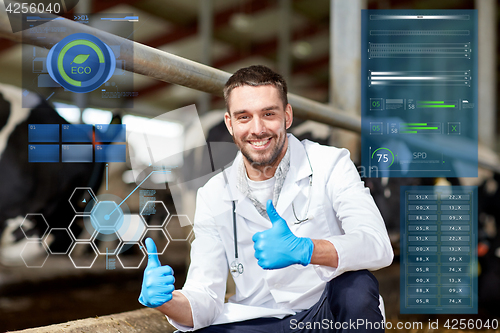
349,303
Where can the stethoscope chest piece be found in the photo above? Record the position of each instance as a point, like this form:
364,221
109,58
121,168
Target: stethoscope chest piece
236,268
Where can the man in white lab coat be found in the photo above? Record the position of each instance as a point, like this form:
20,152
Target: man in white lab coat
300,267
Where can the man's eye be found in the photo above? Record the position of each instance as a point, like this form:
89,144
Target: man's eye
269,114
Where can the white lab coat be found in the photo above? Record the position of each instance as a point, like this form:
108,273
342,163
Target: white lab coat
343,212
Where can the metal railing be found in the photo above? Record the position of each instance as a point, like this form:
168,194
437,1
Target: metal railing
170,68
161,65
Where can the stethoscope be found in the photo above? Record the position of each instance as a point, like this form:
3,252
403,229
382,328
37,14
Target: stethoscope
236,267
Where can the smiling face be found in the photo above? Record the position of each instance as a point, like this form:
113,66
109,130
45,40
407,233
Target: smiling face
258,121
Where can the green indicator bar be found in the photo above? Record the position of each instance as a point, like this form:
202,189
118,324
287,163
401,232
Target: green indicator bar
421,128
436,106
413,124
408,132
431,102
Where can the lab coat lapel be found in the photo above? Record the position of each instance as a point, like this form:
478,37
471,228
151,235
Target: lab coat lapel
247,210
299,169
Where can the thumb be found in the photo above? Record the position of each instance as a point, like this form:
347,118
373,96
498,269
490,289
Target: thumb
153,260
272,213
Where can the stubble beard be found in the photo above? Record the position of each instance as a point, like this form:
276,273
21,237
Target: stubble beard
278,148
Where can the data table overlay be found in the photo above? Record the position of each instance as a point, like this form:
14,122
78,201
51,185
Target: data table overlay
438,249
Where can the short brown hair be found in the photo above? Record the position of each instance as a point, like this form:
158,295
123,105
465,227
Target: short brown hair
255,76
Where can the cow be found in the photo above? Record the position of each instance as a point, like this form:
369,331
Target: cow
33,188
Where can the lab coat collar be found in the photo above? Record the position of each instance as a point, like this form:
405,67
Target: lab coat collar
231,192
299,169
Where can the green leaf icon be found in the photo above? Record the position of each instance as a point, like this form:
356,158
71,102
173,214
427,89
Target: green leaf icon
80,59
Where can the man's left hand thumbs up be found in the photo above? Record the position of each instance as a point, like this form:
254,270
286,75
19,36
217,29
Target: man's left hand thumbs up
278,247
158,281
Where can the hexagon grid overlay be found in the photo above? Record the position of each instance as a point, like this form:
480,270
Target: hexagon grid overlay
107,243
82,229
79,259
31,257
82,200
179,227
63,243
159,237
133,261
132,231
155,213
33,223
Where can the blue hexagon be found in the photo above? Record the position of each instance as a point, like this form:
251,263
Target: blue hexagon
107,217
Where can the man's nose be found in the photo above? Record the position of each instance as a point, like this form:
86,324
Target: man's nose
258,126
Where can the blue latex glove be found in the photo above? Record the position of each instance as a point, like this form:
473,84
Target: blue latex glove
278,247
158,281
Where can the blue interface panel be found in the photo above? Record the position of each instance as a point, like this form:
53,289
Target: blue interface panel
77,133
419,93
43,133
78,144
110,153
76,153
43,153
110,133
438,249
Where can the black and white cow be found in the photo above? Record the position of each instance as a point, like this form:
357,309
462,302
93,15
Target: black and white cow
35,188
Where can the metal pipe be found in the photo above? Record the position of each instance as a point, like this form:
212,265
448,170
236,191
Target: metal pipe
170,68
487,78
345,65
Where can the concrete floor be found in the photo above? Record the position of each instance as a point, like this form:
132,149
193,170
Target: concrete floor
59,293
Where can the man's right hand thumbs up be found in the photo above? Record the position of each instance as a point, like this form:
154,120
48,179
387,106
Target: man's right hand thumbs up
278,247
158,281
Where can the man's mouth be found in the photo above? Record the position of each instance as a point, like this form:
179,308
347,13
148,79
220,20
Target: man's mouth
260,144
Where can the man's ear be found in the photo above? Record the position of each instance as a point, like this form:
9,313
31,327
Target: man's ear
288,116
227,121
